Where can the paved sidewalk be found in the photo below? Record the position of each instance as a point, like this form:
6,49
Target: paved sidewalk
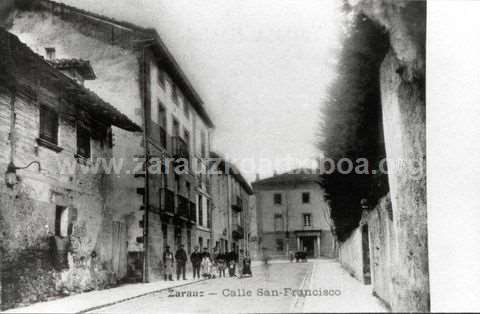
88,301
355,296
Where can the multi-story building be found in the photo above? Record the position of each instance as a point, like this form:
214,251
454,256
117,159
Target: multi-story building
231,195
153,206
57,233
292,215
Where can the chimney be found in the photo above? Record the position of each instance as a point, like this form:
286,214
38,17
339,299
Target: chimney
257,177
51,53
275,173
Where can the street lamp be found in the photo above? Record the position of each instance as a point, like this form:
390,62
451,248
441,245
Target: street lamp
11,178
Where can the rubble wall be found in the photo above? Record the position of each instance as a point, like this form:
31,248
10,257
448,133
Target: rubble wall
117,82
403,104
382,250
404,116
37,264
350,254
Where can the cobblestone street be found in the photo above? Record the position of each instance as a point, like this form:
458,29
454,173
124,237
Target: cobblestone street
230,294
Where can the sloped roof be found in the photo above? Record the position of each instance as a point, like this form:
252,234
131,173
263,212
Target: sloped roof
296,176
19,65
233,170
82,66
145,35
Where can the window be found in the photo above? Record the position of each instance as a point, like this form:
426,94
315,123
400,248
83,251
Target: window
162,115
277,199
176,127
186,136
200,210
305,197
209,215
175,94
110,137
48,124
161,78
162,122
279,243
307,220
50,51
278,222
187,185
186,109
203,148
83,141
177,184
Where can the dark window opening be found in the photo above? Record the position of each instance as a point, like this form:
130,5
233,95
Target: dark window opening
48,124
175,94
209,215
51,53
305,197
161,78
83,142
200,210
277,198
204,145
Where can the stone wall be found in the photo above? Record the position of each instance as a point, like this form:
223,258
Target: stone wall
117,82
382,250
384,267
350,255
402,81
37,264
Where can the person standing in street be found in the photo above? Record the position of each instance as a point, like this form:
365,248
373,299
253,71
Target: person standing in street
231,262
196,259
221,264
168,264
181,258
246,267
206,264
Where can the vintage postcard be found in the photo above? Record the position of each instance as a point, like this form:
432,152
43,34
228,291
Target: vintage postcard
225,156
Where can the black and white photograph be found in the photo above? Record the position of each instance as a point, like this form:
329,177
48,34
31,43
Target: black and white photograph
227,156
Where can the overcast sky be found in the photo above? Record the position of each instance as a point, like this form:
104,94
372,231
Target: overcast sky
261,67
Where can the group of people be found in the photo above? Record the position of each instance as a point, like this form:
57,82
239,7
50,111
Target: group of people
204,265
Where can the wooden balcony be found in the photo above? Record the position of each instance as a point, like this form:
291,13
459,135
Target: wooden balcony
193,213
183,207
169,204
237,232
180,148
238,206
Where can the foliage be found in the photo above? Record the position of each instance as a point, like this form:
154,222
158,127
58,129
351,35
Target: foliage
352,123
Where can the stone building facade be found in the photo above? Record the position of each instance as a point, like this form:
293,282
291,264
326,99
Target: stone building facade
231,212
292,215
140,77
58,235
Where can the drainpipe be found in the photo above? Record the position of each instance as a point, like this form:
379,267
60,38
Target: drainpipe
12,136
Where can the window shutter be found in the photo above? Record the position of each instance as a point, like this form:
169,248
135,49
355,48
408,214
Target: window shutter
48,124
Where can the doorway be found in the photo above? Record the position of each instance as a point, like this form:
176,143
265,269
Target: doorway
308,245
366,255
